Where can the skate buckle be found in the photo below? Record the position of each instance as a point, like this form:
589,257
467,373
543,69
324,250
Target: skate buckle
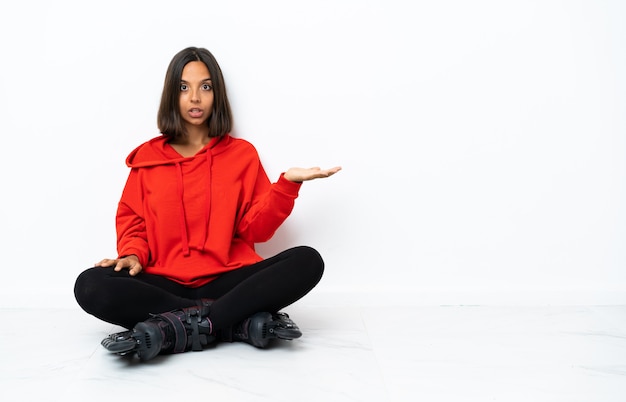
193,313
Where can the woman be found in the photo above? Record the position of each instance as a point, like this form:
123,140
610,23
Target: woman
195,203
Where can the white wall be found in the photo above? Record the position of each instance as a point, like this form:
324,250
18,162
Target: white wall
483,142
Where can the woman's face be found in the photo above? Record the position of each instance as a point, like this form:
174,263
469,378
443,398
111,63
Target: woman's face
196,94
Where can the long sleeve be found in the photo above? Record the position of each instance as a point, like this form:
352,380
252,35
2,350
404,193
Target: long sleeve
271,205
130,222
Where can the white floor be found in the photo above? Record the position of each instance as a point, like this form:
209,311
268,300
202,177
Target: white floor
348,353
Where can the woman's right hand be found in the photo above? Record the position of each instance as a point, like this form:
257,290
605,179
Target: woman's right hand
130,262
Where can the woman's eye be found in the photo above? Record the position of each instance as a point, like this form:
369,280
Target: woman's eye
207,87
183,87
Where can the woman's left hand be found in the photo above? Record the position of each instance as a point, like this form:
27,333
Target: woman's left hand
304,174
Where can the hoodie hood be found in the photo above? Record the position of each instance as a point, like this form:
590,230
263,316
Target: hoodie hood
158,152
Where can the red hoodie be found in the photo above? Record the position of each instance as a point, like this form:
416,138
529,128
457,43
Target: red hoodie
191,219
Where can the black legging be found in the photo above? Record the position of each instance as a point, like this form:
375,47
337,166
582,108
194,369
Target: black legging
269,285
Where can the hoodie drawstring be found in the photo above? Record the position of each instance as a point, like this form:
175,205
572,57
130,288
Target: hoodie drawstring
183,219
207,210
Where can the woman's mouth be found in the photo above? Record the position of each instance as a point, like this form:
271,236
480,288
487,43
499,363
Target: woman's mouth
195,113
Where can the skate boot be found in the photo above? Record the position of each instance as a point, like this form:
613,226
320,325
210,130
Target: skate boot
260,328
172,332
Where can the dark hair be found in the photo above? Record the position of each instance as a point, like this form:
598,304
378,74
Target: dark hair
169,121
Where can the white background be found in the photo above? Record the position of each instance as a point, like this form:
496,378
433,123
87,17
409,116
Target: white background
482,142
